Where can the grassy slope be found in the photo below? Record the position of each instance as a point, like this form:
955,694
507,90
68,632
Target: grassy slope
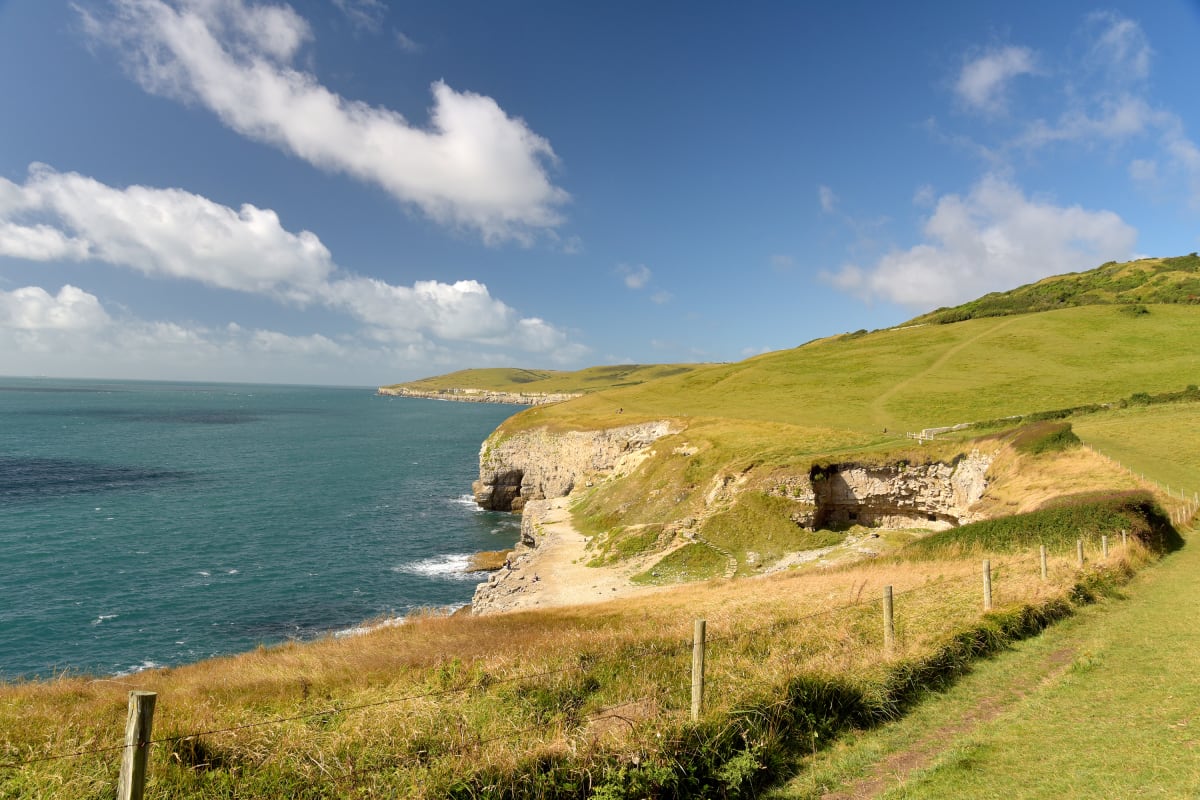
773,416
1101,706
1148,280
541,381
913,378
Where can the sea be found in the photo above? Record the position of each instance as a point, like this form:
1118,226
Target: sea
147,524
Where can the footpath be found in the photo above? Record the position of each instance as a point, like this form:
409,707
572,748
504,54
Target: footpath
1103,705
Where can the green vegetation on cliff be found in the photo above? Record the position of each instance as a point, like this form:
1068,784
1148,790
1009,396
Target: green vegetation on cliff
1147,281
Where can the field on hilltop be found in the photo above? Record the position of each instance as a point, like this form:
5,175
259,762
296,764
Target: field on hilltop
541,381
915,377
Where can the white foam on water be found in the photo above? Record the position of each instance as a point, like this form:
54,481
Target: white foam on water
100,619
204,573
448,567
389,622
142,667
359,630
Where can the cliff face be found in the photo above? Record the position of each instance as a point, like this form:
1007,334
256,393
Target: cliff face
536,465
478,396
934,495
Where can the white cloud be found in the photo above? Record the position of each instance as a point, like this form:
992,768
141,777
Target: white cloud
661,298
473,167
1143,170
983,81
1119,47
365,14
994,238
39,243
406,42
635,277
32,308
160,232
827,199
170,233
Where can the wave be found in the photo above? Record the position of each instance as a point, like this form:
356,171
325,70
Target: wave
451,566
142,667
389,622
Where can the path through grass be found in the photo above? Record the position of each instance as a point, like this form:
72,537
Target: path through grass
1104,705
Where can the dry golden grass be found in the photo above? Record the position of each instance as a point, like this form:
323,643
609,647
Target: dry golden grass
404,708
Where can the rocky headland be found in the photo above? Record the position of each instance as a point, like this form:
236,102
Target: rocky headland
535,471
477,395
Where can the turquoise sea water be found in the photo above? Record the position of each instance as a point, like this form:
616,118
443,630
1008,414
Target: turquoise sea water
147,524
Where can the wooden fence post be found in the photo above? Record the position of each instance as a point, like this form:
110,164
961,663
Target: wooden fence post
1124,538
697,669
136,755
1079,551
1045,572
1104,545
889,622
987,584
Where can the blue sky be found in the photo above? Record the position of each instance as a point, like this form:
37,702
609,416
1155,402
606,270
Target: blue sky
359,192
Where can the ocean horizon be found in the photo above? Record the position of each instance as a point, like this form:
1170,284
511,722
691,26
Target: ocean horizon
153,523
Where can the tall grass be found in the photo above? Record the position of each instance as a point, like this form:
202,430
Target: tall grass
543,704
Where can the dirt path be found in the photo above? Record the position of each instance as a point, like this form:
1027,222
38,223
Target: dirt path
555,573
1101,705
879,414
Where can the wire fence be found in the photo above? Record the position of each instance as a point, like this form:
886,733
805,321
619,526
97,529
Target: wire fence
772,635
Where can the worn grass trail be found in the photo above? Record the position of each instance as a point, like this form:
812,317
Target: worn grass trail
1106,704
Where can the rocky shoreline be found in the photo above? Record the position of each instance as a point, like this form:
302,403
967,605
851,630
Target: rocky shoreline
478,395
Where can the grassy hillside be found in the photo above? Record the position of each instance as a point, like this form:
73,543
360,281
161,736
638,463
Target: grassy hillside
508,379
593,701
1148,280
911,378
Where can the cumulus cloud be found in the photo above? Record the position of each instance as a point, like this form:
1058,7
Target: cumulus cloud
474,166
983,81
635,277
993,238
170,233
32,308
160,232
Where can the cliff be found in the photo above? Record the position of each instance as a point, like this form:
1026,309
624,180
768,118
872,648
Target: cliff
478,395
937,495
537,465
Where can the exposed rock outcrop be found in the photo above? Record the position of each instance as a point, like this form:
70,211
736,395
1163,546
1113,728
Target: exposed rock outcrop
478,395
937,495
537,464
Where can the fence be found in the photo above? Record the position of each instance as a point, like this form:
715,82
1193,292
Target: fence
137,748
1181,513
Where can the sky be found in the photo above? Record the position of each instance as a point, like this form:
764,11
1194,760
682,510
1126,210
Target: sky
361,192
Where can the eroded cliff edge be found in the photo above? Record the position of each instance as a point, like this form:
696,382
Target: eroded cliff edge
539,465
478,395
936,495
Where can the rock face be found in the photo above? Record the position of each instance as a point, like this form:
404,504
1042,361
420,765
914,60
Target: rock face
535,465
478,395
937,495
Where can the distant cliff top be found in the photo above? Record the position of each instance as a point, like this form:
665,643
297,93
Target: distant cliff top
533,387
